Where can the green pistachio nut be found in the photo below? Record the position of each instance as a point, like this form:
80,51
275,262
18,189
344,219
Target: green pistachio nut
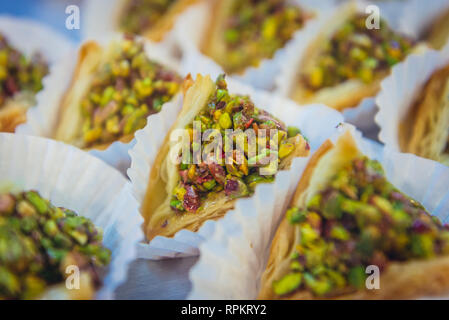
357,277
39,203
287,284
225,121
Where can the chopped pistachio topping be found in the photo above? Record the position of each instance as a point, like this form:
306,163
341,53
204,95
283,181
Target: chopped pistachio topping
256,29
139,15
124,92
360,219
38,241
356,52
19,73
238,176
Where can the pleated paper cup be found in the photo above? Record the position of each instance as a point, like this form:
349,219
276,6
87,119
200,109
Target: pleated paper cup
192,26
401,88
100,18
234,257
316,122
42,119
418,16
73,179
363,114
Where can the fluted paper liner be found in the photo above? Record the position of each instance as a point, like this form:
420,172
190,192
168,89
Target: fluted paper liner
73,179
234,257
419,15
191,27
43,118
316,122
362,115
400,89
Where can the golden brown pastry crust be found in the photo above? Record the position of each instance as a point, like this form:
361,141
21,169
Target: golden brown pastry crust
399,281
438,34
424,131
159,219
13,112
165,24
69,120
12,115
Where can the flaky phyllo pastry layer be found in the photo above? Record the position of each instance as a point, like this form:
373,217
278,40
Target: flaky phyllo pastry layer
20,79
185,195
346,62
150,18
437,34
344,217
241,33
113,90
424,131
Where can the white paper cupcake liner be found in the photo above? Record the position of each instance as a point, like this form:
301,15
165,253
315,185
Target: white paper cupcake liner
192,25
71,178
101,18
30,36
362,115
400,89
316,122
234,257
42,119
419,15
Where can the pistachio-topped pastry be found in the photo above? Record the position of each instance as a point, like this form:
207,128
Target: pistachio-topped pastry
228,147
359,220
347,59
39,241
20,79
228,111
19,73
124,92
355,51
346,220
246,31
120,89
140,15
150,18
437,33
